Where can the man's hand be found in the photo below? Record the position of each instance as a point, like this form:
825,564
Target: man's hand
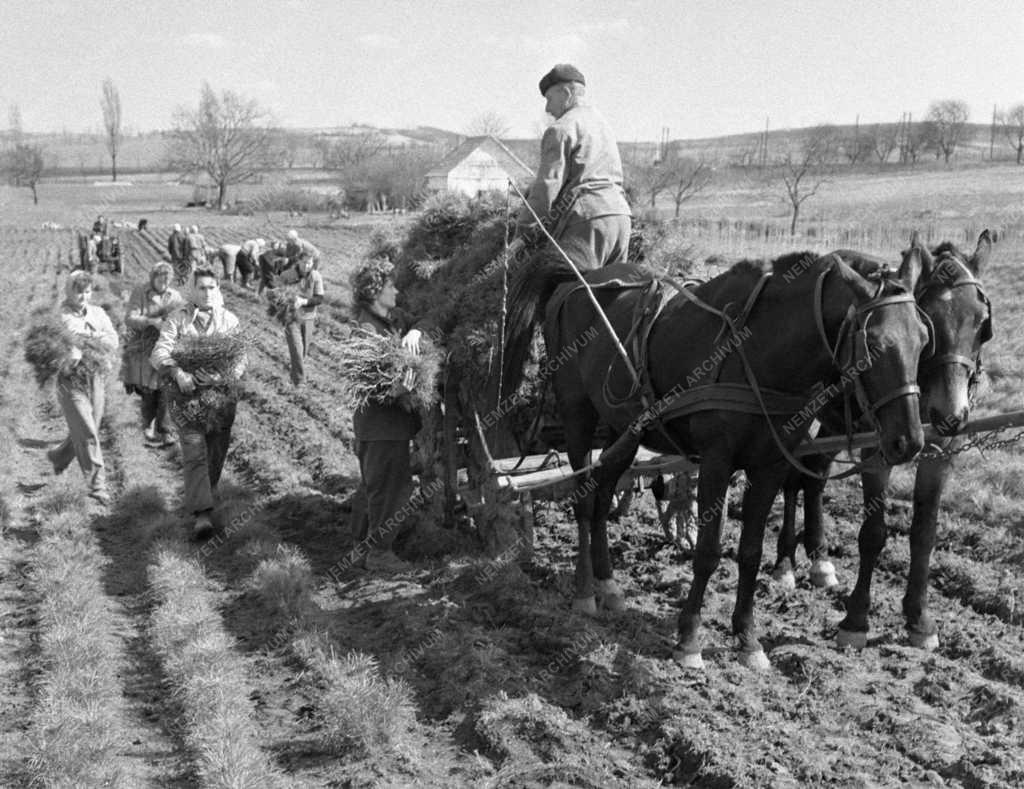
411,342
409,379
74,356
298,302
184,381
155,322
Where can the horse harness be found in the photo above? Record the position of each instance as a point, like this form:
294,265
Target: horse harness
751,398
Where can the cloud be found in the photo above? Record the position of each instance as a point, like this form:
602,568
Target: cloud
377,40
206,40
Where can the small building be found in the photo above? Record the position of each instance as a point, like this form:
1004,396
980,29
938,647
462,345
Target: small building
478,165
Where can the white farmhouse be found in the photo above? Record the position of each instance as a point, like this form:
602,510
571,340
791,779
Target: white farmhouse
477,165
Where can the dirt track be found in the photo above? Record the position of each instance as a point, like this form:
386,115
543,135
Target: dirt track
509,687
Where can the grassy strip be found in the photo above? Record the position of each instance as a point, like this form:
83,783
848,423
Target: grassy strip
76,726
207,674
360,714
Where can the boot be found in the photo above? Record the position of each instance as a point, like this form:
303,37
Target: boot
98,486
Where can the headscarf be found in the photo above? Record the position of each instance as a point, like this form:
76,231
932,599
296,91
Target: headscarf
160,267
77,281
368,280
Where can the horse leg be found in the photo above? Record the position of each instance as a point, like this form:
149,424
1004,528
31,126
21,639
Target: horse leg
614,461
853,630
823,572
932,475
757,503
785,555
712,488
580,420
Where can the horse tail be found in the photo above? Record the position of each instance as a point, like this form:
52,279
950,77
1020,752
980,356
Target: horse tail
530,289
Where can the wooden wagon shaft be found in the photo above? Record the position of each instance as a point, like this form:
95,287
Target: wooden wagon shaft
540,471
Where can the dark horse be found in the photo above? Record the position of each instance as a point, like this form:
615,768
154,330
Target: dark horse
722,369
950,294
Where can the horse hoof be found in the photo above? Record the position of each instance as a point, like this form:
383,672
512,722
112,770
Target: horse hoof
755,661
585,605
851,638
611,596
823,575
688,659
785,579
929,642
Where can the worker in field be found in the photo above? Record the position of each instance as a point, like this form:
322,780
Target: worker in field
297,247
272,262
247,260
298,331
195,248
81,384
204,436
577,193
383,432
227,254
147,308
176,248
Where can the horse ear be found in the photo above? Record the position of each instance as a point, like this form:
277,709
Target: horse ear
862,290
981,254
912,266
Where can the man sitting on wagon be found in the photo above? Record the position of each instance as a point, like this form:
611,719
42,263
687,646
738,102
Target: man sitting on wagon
577,193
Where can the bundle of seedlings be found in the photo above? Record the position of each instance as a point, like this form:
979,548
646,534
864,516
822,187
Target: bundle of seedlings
48,348
281,303
214,362
377,369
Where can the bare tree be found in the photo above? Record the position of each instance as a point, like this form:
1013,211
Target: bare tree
1013,127
947,121
226,137
111,106
24,165
805,170
689,178
490,123
857,147
884,141
350,150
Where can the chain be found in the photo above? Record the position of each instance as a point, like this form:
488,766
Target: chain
983,442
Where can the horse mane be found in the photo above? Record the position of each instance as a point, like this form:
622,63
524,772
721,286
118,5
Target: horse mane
530,287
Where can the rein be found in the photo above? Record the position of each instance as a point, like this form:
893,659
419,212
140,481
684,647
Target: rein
972,364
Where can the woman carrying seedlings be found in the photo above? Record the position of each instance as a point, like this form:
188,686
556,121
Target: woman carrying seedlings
148,306
81,383
201,356
383,430
301,316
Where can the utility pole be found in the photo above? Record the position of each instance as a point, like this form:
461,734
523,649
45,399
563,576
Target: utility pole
992,137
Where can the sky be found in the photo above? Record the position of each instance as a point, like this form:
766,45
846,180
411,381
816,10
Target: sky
695,67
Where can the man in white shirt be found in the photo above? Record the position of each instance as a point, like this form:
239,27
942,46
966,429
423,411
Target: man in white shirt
203,450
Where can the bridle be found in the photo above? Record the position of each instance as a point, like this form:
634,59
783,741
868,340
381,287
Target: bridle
851,355
971,363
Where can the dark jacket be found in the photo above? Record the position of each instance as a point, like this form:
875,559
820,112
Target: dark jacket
376,422
176,245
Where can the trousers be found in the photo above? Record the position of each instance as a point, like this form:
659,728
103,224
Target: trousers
593,243
384,492
154,406
202,458
83,411
299,335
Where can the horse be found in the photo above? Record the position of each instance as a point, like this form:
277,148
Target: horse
766,344
950,293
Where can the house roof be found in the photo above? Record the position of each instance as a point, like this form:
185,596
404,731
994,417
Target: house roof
512,164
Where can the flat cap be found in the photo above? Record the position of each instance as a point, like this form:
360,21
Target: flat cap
562,72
